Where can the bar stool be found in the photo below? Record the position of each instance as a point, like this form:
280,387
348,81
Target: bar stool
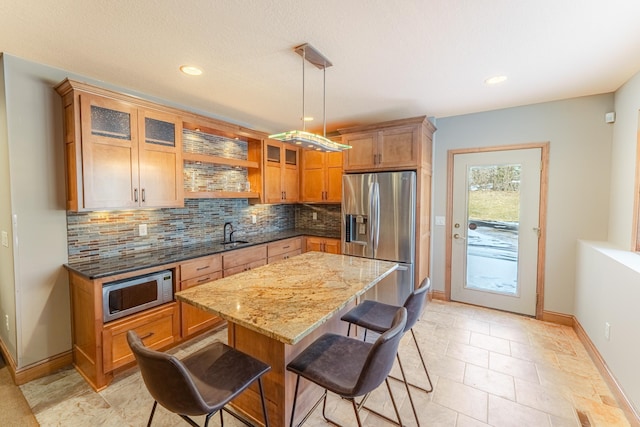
349,367
201,383
377,316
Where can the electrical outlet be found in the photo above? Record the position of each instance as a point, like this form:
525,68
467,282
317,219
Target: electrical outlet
254,219
315,216
6,321
607,331
5,239
142,229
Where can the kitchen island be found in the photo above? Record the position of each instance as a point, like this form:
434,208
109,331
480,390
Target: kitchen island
275,311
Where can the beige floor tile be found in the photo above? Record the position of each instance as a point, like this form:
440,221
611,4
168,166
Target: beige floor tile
601,414
512,366
487,342
87,409
469,354
490,381
465,421
473,325
534,354
452,334
543,399
505,413
461,398
511,333
564,422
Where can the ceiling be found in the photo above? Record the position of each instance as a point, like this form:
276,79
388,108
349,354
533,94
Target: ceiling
391,58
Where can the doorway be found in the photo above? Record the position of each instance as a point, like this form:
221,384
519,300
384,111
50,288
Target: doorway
495,233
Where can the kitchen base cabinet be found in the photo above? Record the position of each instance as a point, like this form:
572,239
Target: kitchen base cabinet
245,259
158,328
284,249
194,273
323,244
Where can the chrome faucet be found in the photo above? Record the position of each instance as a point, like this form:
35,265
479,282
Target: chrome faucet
225,232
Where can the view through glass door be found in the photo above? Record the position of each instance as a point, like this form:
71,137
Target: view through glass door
494,255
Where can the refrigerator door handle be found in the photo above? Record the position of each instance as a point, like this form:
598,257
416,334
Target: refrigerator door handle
376,220
372,219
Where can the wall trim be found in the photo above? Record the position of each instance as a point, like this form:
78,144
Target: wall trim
41,369
559,318
625,405
439,295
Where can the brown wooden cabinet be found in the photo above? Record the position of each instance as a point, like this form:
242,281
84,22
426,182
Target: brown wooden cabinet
244,259
323,244
321,177
119,154
158,328
281,171
283,249
391,145
194,273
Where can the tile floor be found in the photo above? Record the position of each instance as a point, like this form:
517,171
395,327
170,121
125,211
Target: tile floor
489,369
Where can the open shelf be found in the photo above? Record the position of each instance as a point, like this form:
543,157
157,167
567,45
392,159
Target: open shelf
216,160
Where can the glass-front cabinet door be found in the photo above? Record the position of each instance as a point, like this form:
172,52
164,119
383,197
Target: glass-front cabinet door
161,178
109,153
280,173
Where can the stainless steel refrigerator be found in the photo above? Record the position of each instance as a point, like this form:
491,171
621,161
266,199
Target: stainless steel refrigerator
379,221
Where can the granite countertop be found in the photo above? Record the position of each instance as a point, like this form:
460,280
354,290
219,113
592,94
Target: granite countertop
288,299
105,267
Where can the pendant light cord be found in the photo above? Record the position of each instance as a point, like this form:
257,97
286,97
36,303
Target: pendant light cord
303,60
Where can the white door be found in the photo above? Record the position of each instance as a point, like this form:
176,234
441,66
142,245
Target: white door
495,229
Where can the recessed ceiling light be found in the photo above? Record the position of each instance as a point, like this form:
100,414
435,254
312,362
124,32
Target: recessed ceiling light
307,119
495,80
191,70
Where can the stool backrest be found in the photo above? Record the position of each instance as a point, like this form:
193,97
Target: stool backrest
381,356
416,302
167,380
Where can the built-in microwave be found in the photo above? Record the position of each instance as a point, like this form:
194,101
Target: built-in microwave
128,296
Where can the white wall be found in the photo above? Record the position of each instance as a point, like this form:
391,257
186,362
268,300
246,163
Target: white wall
608,291
623,162
579,169
608,273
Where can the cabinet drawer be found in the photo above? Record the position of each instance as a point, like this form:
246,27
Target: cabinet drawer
200,280
284,246
200,267
285,255
244,256
158,328
244,267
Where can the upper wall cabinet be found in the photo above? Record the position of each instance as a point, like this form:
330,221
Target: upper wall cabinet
280,165
119,154
321,177
393,145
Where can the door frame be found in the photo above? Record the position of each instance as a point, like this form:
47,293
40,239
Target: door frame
544,180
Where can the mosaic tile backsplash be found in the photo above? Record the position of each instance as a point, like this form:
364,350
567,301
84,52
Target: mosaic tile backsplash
104,234
94,235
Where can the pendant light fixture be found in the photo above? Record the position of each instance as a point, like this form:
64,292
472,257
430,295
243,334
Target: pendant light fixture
302,137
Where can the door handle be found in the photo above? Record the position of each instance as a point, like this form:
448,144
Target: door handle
457,236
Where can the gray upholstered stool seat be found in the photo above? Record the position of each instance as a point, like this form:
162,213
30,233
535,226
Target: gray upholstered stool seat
377,316
349,367
201,383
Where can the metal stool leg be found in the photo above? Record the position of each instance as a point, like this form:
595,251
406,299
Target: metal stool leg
406,385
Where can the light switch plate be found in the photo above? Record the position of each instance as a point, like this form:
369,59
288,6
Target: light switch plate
5,239
142,229
440,220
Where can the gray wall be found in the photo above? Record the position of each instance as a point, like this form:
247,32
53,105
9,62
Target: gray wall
579,169
39,320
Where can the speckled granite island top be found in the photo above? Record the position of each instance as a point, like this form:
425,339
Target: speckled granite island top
287,300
